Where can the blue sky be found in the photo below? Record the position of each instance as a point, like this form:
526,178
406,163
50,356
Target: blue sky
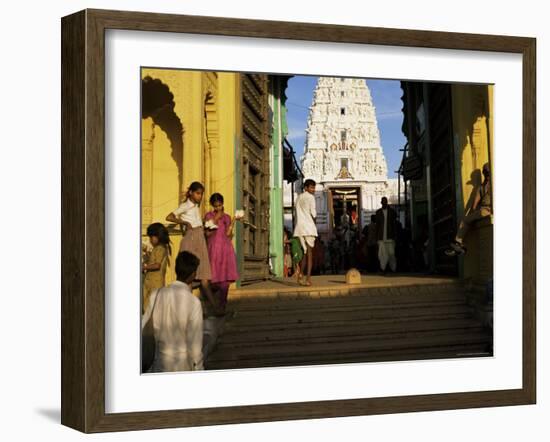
386,96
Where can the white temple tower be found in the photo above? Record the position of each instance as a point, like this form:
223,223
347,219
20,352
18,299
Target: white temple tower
343,152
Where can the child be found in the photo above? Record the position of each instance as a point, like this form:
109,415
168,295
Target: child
155,265
193,240
177,321
223,261
297,254
306,230
293,254
287,258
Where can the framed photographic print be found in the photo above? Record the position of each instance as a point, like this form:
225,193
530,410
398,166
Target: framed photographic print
272,220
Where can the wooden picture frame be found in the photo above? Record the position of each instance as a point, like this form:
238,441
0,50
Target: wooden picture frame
83,216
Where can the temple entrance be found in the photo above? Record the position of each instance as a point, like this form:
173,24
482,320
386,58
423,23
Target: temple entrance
345,207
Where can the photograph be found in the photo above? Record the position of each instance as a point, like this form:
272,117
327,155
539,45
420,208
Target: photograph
301,220
268,220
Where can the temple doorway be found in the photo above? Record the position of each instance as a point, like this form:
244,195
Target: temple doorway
344,226
345,207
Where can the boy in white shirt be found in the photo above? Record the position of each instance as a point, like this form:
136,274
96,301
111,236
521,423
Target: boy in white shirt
177,321
305,229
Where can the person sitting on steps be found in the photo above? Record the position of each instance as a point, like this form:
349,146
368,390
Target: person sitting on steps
480,208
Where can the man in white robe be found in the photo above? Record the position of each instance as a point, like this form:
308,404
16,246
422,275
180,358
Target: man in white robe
306,230
177,321
386,221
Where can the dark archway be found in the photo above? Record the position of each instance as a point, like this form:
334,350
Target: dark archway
158,103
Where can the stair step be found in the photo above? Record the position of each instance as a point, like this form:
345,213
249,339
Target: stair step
415,285
286,299
318,308
235,327
341,339
361,345
281,333
359,314
412,354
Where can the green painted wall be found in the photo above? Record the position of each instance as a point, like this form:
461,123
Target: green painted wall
280,130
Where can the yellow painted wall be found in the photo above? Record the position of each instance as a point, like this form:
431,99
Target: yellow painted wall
208,106
160,193
473,135
230,132
165,177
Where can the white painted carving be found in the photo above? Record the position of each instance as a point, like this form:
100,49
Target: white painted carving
325,147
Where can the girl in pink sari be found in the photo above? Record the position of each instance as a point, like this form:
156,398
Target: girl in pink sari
223,262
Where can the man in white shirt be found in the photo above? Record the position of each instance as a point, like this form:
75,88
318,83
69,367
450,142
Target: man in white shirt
386,221
306,230
177,321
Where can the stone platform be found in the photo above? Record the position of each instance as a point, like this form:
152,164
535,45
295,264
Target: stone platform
331,285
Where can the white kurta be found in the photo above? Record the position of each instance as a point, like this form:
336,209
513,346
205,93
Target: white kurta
385,235
189,211
178,328
386,247
305,229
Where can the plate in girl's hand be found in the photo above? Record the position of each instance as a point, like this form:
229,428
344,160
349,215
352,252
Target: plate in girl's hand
210,224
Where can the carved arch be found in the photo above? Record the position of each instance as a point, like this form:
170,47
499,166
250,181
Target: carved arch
157,102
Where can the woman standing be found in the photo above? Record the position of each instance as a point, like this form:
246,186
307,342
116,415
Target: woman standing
193,240
223,261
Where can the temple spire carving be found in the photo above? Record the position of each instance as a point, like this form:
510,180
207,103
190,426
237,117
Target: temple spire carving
342,136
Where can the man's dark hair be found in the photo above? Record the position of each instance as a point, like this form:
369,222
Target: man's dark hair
309,182
186,264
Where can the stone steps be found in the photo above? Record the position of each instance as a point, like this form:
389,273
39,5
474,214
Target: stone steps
367,325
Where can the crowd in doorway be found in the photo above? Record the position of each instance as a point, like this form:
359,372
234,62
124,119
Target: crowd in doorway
383,246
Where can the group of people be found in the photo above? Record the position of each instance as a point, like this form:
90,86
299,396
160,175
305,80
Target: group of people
387,246
384,246
185,328
408,255
300,247
378,247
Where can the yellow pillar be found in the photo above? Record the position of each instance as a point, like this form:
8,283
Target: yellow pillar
165,178
147,139
229,123
472,126
194,131
490,91
226,173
